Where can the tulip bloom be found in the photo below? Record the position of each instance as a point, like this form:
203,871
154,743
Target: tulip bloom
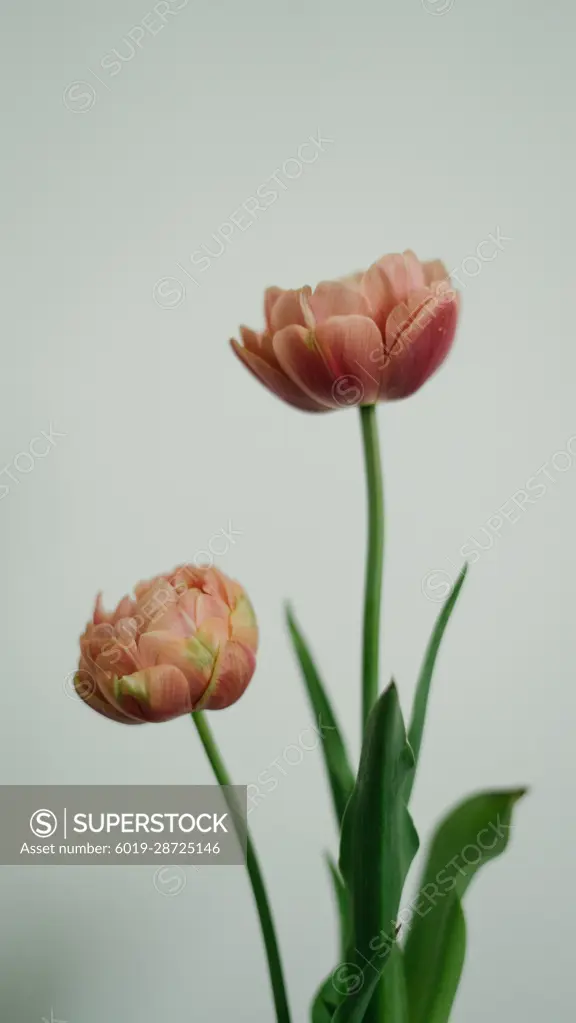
187,641
374,336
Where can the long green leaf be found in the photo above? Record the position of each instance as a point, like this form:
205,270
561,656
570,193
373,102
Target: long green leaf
471,835
340,776
342,902
325,1002
390,999
420,705
378,844
326,998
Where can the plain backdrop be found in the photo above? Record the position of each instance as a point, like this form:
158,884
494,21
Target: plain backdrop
126,147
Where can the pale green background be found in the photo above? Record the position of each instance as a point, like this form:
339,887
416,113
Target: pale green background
448,124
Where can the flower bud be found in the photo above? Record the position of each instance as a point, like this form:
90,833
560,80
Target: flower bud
185,642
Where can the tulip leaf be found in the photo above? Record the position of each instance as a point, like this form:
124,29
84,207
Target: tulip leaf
342,903
473,833
390,1002
378,844
325,1002
326,998
340,776
420,705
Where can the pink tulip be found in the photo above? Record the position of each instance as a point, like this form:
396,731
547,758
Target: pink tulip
374,336
185,642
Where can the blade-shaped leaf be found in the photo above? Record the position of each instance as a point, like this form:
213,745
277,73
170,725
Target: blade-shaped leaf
389,1002
342,902
471,835
420,705
378,844
340,776
325,1002
326,999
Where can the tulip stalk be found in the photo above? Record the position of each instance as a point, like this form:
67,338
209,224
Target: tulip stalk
372,595
255,875
374,560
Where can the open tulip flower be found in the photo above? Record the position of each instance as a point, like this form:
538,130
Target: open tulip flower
374,336
187,641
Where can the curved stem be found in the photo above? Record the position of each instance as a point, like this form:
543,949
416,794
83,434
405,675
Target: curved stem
256,879
374,560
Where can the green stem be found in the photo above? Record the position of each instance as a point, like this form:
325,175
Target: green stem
256,879
374,560
372,603
372,595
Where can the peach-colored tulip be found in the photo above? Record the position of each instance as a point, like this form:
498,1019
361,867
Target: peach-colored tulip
187,641
370,337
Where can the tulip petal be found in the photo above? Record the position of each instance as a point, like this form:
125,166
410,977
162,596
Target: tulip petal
213,583
352,346
419,335
286,310
179,618
208,607
228,589
337,364
276,380
271,296
234,669
251,340
125,609
87,689
154,598
186,577
192,658
213,636
301,360
259,345
243,623
96,637
388,282
104,680
119,656
174,620
435,271
161,692
100,616
337,298
99,704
